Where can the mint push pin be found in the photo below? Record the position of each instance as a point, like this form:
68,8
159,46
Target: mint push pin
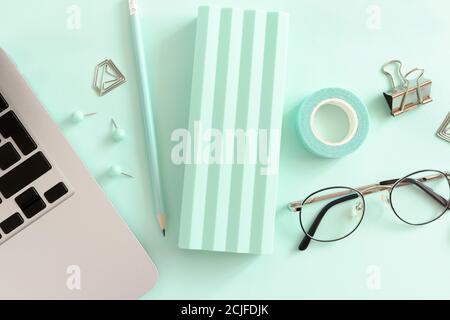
116,171
79,116
118,134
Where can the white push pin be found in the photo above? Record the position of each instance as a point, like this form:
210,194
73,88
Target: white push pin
116,171
79,116
118,134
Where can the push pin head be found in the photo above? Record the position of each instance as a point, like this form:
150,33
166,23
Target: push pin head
118,134
79,116
116,171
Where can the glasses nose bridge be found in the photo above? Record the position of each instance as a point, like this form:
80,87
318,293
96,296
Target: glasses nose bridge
375,188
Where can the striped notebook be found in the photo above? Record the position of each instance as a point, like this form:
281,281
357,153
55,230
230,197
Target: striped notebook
231,149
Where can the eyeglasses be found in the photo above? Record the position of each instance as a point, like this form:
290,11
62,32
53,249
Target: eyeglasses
334,213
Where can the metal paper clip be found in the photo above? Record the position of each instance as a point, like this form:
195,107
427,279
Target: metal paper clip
444,129
408,94
102,86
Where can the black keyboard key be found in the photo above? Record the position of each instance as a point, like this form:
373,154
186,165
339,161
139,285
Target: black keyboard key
11,223
30,203
56,192
11,127
3,103
8,156
24,174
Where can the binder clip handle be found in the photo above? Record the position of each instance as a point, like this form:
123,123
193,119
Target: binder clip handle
399,72
407,85
412,71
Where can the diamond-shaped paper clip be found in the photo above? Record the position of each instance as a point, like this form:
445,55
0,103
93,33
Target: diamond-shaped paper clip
107,77
444,129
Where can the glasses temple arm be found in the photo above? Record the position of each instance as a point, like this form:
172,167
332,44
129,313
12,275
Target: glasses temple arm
313,228
436,196
441,200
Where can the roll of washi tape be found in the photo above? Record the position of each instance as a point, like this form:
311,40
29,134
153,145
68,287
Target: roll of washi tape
354,109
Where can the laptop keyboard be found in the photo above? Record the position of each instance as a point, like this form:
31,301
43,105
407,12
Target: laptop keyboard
30,185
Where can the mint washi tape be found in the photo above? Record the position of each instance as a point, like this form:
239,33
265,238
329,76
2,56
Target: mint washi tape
354,109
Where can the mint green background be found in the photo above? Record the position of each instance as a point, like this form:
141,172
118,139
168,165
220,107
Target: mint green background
330,45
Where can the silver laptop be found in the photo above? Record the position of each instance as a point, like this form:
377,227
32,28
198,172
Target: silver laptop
60,237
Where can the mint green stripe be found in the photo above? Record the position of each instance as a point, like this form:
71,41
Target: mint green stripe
252,123
195,112
211,205
279,81
202,108
241,120
228,123
271,117
206,105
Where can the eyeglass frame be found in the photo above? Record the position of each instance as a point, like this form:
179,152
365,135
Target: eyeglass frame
387,185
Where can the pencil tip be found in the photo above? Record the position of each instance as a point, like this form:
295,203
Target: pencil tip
164,232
